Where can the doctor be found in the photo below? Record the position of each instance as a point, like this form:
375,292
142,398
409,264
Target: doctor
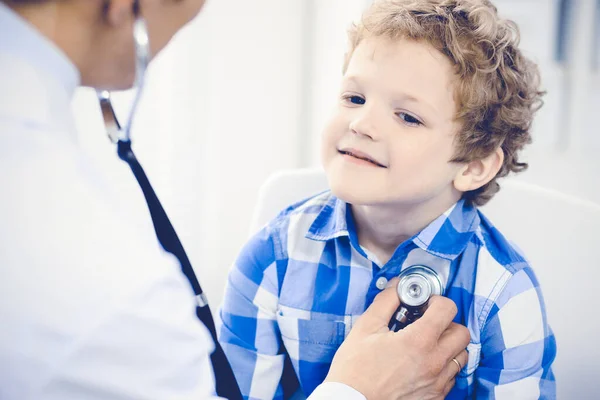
90,305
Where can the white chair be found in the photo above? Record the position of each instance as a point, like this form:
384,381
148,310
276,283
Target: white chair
558,234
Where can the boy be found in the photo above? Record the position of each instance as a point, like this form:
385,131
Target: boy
436,102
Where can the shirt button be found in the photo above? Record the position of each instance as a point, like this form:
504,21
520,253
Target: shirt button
381,283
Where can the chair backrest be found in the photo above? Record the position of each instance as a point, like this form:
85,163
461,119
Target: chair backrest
558,235
284,188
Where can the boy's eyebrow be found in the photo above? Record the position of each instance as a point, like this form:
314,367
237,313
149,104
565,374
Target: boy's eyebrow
419,101
350,79
405,96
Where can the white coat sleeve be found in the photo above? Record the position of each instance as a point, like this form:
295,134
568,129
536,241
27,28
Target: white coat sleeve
334,390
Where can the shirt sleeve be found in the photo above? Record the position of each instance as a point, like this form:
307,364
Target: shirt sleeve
335,390
518,346
151,347
249,332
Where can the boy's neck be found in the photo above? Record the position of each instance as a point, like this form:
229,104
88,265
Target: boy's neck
381,229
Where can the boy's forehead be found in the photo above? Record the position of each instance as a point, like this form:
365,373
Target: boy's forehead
405,53
414,68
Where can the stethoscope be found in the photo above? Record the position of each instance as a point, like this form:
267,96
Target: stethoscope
225,383
114,130
417,283
416,286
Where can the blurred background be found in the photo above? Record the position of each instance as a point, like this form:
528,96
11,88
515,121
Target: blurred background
246,88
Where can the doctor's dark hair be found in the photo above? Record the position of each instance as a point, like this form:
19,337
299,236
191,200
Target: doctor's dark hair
496,87
24,1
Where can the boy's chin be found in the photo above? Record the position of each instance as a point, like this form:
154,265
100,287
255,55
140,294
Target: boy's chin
360,193
355,194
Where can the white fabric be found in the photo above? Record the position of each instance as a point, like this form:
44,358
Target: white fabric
90,306
334,390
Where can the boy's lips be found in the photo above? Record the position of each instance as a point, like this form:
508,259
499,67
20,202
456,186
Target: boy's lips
360,155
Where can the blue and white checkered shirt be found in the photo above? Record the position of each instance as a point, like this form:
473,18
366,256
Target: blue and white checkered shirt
300,284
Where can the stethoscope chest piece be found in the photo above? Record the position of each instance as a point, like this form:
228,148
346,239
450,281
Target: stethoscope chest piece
416,286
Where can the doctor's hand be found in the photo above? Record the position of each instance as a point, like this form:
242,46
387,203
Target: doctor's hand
413,363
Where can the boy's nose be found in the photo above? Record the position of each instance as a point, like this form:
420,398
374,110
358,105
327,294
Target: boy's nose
363,124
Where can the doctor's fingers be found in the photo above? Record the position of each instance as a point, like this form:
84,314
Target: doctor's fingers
379,313
455,339
449,385
455,365
436,319
446,379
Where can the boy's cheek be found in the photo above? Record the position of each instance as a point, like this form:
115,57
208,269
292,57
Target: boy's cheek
336,126
329,145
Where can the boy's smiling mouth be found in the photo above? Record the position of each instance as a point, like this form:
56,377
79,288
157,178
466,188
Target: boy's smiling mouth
359,155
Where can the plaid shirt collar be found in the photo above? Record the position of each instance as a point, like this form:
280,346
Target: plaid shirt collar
445,237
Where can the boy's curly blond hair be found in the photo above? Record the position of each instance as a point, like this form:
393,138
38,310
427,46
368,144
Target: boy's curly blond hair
497,88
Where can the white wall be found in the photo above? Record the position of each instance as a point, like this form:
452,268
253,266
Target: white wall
329,22
246,89
566,137
222,110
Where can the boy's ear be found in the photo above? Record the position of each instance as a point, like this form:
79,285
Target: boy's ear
477,173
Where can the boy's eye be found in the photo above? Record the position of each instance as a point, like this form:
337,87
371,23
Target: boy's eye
355,100
409,119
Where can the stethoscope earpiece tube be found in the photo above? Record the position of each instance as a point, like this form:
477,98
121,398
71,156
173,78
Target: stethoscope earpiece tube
416,286
141,42
225,382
